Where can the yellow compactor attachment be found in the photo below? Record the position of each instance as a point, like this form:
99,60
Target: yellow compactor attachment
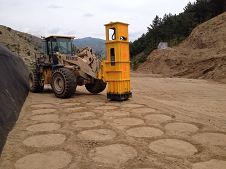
116,69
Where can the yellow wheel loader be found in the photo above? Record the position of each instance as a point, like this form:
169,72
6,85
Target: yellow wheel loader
64,71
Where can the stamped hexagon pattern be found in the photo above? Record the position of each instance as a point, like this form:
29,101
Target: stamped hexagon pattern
48,160
114,154
80,133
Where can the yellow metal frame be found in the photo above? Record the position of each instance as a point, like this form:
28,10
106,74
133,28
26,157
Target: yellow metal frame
116,69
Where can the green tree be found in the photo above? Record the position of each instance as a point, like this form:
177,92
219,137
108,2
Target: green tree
175,28
155,27
8,28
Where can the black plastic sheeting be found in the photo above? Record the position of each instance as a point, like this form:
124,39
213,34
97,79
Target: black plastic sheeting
14,88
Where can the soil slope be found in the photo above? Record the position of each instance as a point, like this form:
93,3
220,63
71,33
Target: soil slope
22,44
201,55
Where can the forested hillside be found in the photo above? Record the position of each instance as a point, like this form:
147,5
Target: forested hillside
98,45
173,29
200,56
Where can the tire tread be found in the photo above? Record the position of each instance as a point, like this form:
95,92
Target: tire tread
98,86
36,88
70,82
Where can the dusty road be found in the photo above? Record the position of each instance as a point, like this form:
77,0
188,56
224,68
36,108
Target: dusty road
168,123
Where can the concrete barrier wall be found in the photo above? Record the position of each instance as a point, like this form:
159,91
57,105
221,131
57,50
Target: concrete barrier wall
14,88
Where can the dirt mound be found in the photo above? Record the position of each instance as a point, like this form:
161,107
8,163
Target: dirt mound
201,55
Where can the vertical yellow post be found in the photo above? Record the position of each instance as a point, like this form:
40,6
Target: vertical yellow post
116,69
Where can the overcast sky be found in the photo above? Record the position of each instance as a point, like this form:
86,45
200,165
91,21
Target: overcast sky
84,18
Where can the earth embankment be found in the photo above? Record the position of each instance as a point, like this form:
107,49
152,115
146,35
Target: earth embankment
201,55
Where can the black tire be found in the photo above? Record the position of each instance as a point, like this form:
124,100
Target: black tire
63,83
34,78
98,86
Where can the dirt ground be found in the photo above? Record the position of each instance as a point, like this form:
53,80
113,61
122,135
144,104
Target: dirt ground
168,123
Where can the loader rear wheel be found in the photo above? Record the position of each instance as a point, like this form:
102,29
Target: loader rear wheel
98,86
34,78
63,83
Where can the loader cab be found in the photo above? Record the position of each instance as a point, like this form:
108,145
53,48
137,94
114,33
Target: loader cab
55,45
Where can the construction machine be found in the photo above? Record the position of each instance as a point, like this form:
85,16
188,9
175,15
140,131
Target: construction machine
58,66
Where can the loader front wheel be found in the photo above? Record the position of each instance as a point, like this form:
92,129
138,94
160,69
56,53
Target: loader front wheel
34,78
63,83
98,86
